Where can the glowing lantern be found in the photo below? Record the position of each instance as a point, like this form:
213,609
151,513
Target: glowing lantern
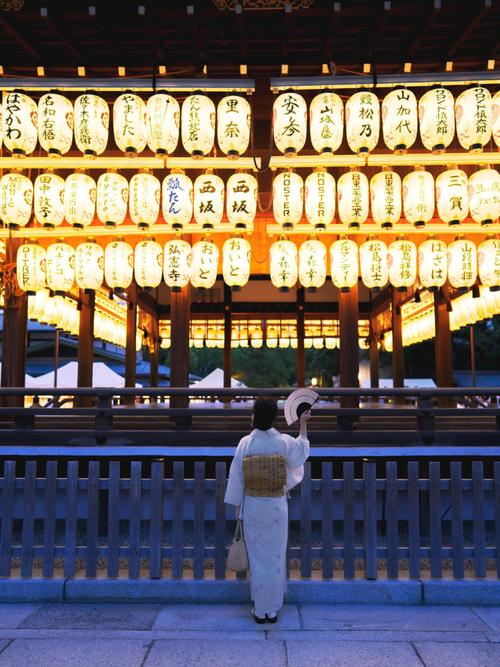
60,267
89,265
118,264
163,120
399,120
233,125
484,196
354,198
312,264
283,265
362,112
385,191
16,199
55,123
48,201
79,199
208,200
326,118
488,255
495,118
288,198
148,263
236,254
462,263
432,263
112,198
320,198
402,263
91,124
198,125
290,123
344,264
373,262
452,196
130,127
177,264
31,264
144,199
418,197
204,265
19,123
177,199
473,116
436,114
241,199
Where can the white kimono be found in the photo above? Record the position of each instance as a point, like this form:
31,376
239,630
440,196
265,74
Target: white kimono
265,519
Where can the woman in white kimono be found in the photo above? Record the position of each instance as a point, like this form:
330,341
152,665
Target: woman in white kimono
265,519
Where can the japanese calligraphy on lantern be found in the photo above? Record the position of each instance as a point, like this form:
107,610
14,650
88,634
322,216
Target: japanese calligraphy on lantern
130,123
19,123
402,263
55,123
452,196
79,199
283,264
495,118
436,114
290,123
399,120
233,125
354,199
177,264
91,124
236,255
205,260
118,264
373,263
418,197
473,117
462,263
288,198
488,256
60,267
177,199
432,263
198,125
362,112
344,263
208,200
326,122
144,199
49,199
241,199
16,199
312,264
31,264
112,198
484,195
163,121
320,198
148,263
89,265
385,191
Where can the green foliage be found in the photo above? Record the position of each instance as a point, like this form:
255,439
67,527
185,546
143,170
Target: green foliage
264,367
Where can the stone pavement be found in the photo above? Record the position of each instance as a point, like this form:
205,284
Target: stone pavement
137,635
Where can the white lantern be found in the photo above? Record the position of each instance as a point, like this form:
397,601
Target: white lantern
148,263
354,198
31,265
290,123
163,121
208,200
60,267
177,199
144,199
55,123
177,258
130,123
312,264
112,198
19,123
326,118
484,195
89,265
320,198
452,196
79,199
233,125
495,118
91,124
236,255
288,198
283,264
402,263
16,199
418,197
488,256
344,264
373,263
432,263
241,199
48,202
198,125
118,264
204,265
473,116
399,120
436,115
385,192
362,112
462,263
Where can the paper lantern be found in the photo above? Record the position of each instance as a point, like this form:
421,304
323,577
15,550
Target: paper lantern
236,254
198,125
418,197
31,265
163,121
177,199
144,199
16,199
495,118
118,264
241,199
48,199
385,193
112,198
488,256
288,198
432,263
283,265
326,122
89,265
19,123
233,125
452,196
130,126
344,264
55,123
320,198
399,120
204,264
473,117
436,115
79,199
373,264
354,198
462,263
177,258
290,123
91,124
60,267
312,264
208,200
402,263
148,263
484,195
362,112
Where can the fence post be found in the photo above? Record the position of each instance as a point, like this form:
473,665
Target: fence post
28,518
478,514
114,519
457,523
177,519
70,520
134,563
199,520
156,520
92,518
370,519
435,518
220,521
327,519
305,523
413,520
7,508
348,498
49,524
391,517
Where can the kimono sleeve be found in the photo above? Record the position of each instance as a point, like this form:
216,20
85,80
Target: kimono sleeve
297,450
235,489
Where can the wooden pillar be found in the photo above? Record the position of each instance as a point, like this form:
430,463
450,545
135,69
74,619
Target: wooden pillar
86,345
398,357
442,344
349,346
130,350
227,361
180,306
374,355
301,355
154,352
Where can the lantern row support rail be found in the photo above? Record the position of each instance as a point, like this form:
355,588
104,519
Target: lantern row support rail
122,84
405,229
124,162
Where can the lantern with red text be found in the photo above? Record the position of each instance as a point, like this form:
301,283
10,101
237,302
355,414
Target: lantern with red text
16,199
320,198
241,199
418,197
326,122
354,198
290,123
112,198
91,124
402,263
144,199
118,264
473,117
362,112
236,255
385,192
312,264
130,123
344,264
436,115
89,265
79,199
399,120
283,264
30,267
462,263
60,267
204,264
148,263
484,195
177,258
19,123
177,199
452,196
233,125
198,125
373,264
288,198
432,263
163,121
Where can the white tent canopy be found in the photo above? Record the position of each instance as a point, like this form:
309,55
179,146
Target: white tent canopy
409,383
67,377
28,379
215,380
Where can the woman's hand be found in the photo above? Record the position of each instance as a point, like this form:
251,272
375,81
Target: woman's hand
303,422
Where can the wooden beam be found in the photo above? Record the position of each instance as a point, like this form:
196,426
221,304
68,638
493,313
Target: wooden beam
349,346
52,22
7,26
227,339
374,353
419,33
301,355
240,23
467,26
154,353
130,351
85,345
398,357
180,303
442,342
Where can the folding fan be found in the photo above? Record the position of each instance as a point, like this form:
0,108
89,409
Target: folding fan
298,402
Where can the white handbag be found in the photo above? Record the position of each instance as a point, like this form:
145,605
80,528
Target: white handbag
237,559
